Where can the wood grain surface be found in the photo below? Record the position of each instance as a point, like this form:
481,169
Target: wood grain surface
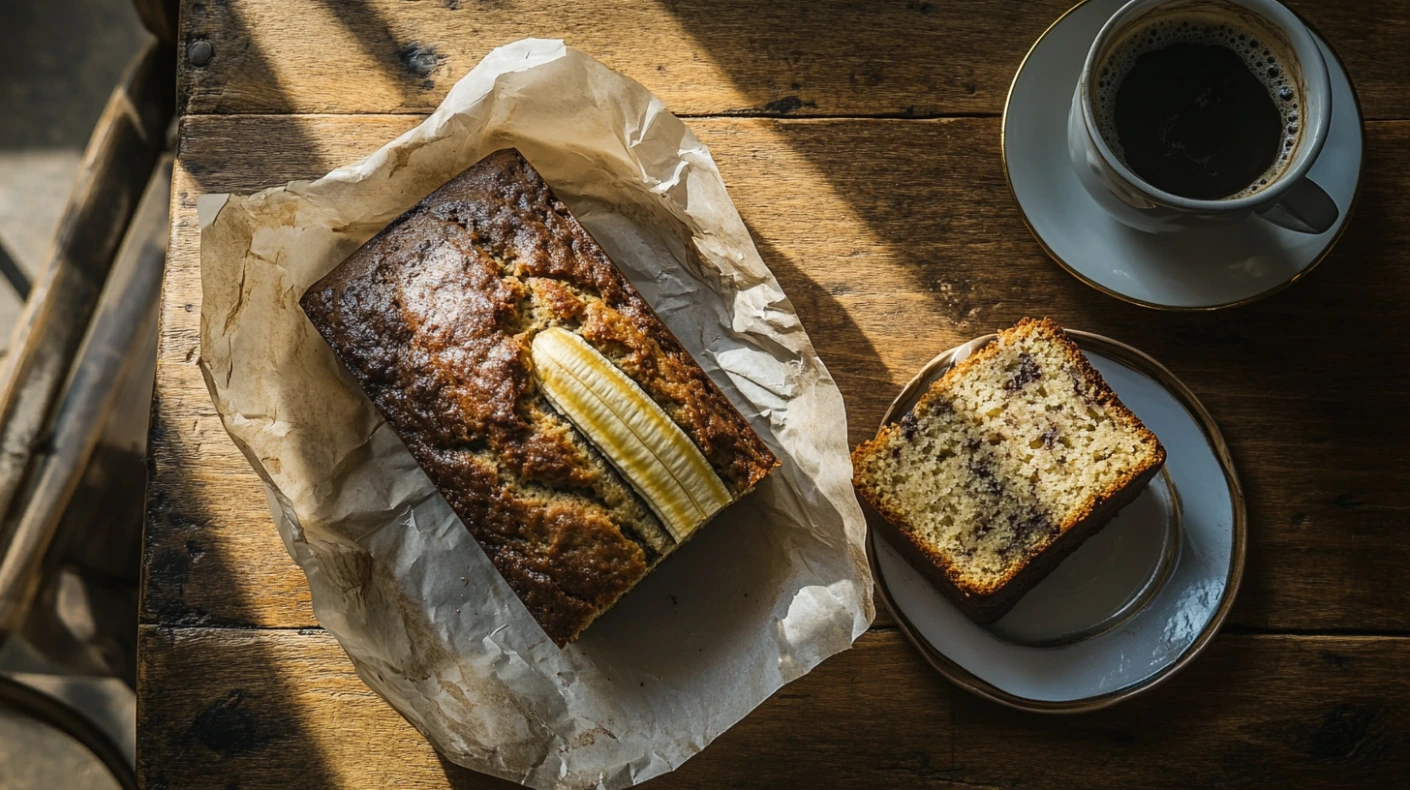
284,708
827,57
895,236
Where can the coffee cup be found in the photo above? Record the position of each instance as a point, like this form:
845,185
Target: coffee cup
1194,112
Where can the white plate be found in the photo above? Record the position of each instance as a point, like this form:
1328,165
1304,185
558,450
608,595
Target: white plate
1134,603
1201,269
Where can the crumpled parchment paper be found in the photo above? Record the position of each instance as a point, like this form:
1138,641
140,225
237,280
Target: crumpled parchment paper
767,590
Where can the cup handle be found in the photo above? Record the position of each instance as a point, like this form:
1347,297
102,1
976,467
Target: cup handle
1305,208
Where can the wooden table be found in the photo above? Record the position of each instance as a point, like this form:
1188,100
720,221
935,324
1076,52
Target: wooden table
860,142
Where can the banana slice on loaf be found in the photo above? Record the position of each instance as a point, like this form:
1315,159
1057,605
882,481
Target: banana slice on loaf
654,455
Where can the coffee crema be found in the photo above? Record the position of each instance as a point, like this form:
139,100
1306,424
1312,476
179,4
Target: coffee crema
1197,106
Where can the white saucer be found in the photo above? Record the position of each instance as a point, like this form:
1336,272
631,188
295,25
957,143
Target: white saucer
1131,606
1201,269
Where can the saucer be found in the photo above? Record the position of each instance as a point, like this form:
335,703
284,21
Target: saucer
1134,603
1202,269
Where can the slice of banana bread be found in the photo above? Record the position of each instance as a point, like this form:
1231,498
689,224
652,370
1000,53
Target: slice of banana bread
1006,464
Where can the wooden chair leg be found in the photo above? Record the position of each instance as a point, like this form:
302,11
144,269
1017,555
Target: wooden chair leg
120,159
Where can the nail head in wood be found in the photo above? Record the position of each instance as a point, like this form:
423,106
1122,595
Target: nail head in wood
200,52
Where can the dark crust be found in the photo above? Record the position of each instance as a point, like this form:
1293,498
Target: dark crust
431,316
986,604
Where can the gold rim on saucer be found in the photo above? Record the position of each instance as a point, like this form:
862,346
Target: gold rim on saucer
1142,363
1350,209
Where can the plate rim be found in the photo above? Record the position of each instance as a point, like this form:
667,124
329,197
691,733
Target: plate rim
1303,272
1142,363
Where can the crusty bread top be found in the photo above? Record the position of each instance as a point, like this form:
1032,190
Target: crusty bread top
434,317
1008,451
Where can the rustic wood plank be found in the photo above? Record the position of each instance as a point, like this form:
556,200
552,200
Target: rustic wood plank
211,554
1256,711
898,57
700,56
273,699
877,228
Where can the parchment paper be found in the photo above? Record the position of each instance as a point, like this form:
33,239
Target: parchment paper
767,590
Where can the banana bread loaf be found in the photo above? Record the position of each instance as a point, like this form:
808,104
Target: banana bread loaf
1006,464
563,422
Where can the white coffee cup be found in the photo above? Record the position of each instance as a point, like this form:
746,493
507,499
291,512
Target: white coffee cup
1289,199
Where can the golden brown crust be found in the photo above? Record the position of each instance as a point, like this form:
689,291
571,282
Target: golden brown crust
988,600
434,317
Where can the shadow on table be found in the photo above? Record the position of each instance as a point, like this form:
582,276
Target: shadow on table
407,65
828,321
1307,385
1277,375
214,710
240,724
248,717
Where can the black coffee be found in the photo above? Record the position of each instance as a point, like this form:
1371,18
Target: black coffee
1200,110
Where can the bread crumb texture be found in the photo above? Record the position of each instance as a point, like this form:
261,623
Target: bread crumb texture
1002,455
